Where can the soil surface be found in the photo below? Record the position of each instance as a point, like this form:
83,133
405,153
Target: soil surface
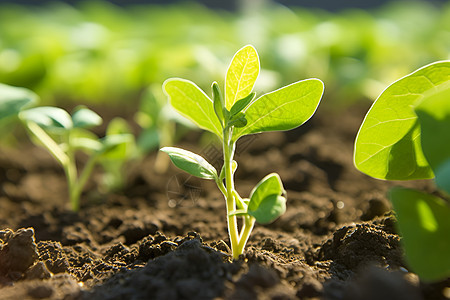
164,236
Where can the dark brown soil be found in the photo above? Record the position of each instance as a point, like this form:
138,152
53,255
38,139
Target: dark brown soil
165,237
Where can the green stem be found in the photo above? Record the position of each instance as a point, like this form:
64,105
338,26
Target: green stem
247,228
48,143
228,149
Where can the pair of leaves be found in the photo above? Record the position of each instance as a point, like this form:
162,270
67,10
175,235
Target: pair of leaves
390,144
282,109
424,224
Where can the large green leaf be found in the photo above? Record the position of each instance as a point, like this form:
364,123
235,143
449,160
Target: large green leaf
388,142
191,163
266,200
283,109
434,116
14,99
241,75
190,101
424,223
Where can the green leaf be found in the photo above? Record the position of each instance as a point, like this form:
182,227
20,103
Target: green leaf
266,200
218,102
238,120
434,117
241,104
191,102
283,109
424,223
48,117
241,75
14,99
191,163
83,117
388,144
116,146
84,140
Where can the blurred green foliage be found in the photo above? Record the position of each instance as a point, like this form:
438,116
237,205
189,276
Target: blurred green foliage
98,52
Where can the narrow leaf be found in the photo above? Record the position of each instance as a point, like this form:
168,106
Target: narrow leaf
424,223
388,144
283,109
241,75
14,99
241,104
218,102
191,102
191,163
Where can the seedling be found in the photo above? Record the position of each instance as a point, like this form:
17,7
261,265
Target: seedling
235,114
405,136
61,134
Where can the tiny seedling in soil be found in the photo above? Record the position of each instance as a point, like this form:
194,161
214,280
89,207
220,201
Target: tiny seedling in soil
234,114
405,136
62,135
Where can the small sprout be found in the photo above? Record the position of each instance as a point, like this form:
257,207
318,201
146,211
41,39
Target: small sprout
61,134
231,116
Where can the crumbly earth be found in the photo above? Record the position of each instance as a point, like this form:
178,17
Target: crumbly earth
164,235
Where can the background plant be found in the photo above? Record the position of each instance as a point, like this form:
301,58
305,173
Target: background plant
405,136
62,135
231,116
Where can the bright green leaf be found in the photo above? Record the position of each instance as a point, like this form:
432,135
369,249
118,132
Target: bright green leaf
241,75
266,203
241,104
434,117
48,117
283,109
388,144
191,163
191,102
424,223
14,99
83,117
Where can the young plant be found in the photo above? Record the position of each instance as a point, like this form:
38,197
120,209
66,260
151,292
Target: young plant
235,114
61,134
405,136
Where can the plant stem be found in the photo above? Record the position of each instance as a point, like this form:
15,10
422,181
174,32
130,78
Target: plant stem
247,228
228,150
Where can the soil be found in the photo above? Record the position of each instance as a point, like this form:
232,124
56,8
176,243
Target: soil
164,236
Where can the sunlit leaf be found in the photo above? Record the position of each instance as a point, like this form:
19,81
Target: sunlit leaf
241,75
283,109
191,102
191,163
388,145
